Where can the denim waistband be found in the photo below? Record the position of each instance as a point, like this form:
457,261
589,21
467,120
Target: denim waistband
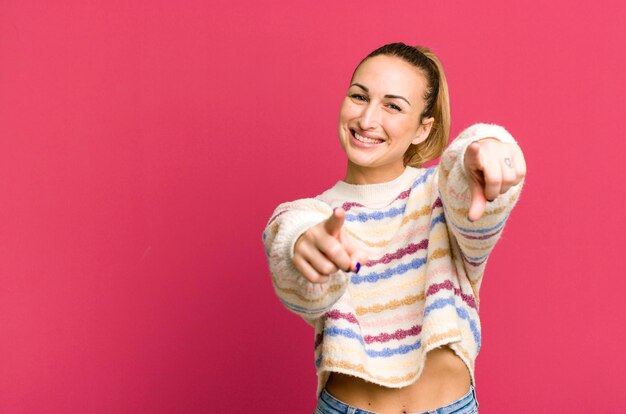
327,404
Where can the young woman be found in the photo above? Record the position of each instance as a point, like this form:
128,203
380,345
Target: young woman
387,264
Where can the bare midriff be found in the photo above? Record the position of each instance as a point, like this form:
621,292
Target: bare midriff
445,379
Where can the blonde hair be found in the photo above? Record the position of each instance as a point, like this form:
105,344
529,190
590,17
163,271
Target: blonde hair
436,98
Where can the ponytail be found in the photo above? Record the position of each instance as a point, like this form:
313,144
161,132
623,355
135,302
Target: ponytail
438,107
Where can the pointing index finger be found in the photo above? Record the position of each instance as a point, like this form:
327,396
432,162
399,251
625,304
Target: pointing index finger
334,223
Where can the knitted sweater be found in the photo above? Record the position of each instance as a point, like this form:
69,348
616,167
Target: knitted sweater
419,288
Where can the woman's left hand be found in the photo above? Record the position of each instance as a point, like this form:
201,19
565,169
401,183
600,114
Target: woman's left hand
493,167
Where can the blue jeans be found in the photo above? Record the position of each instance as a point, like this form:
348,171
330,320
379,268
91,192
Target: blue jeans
327,404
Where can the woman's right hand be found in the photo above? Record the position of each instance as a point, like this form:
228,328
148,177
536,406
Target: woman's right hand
325,248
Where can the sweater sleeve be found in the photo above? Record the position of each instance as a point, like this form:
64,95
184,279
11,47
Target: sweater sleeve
475,240
289,221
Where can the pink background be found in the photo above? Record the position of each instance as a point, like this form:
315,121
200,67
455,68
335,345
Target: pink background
144,144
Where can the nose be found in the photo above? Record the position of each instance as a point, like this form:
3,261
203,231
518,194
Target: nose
370,117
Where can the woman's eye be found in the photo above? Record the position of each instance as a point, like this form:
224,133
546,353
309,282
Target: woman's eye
395,107
358,97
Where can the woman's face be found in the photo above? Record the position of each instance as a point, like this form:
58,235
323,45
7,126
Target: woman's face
380,118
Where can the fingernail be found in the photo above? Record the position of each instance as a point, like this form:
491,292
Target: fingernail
358,267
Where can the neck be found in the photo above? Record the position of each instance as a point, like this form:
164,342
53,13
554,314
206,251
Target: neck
357,174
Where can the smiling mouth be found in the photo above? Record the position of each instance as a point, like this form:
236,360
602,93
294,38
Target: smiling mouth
366,140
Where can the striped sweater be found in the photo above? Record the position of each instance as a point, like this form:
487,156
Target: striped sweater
419,288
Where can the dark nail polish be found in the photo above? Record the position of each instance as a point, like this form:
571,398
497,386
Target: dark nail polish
358,267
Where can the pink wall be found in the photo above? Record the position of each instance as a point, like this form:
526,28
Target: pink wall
144,144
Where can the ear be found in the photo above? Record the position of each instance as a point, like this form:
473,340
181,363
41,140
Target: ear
423,131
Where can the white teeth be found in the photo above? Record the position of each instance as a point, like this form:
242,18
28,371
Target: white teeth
367,140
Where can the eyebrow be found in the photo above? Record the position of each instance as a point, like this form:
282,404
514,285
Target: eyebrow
386,96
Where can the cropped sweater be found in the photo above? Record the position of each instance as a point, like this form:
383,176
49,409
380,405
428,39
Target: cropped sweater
419,288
